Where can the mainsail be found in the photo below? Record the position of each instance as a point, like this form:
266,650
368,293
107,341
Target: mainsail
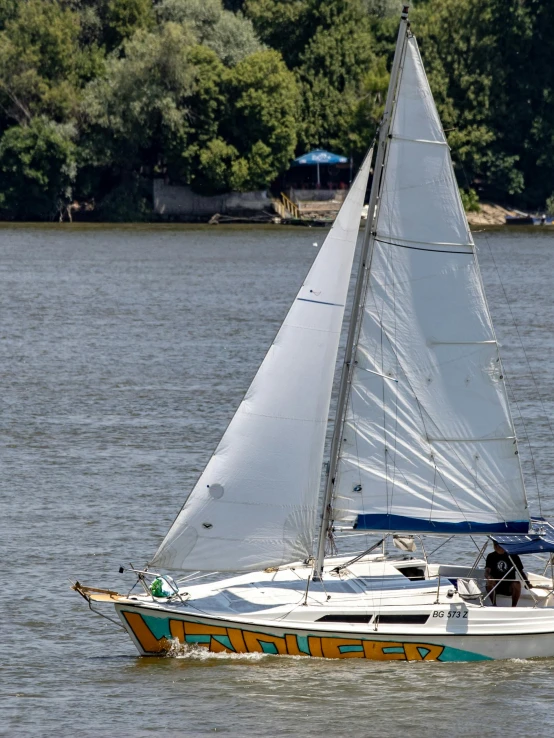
428,443
255,503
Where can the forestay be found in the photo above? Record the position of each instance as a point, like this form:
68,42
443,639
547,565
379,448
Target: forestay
428,443
255,503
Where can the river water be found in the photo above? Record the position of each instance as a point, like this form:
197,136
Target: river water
123,354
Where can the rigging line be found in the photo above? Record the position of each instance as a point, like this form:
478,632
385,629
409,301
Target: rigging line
345,379
420,409
357,329
530,371
395,333
441,545
420,248
499,358
527,439
368,283
421,413
419,140
469,473
396,468
355,417
399,366
386,451
391,270
434,488
400,471
452,449
477,546
374,203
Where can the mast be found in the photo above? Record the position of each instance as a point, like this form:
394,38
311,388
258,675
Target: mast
427,443
255,505
360,282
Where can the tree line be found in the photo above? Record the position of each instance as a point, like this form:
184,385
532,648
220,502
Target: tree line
97,97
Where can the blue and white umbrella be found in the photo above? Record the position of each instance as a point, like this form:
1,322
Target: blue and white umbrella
319,156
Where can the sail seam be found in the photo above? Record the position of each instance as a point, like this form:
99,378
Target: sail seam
418,140
423,183
463,343
320,302
379,237
282,417
449,475
302,508
424,414
420,248
304,328
440,505
378,374
345,231
470,440
374,470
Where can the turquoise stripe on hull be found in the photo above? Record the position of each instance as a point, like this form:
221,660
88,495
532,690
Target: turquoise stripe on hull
351,649
302,641
158,626
224,641
457,654
269,647
198,639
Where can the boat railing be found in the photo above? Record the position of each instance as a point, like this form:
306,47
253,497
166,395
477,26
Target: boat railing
476,592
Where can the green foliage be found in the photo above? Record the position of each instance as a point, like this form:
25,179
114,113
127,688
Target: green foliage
550,205
8,10
261,119
221,94
170,105
334,65
230,35
217,160
383,8
141,100
38,168
286,25
39,62
470,200
125,17
474,66
330,45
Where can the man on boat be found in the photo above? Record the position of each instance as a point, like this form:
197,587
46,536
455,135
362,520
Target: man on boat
501,576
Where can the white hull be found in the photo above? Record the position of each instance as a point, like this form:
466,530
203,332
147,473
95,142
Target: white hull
369,611
295,639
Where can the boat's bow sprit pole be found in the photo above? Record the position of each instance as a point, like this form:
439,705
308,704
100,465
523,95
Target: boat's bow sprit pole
359,291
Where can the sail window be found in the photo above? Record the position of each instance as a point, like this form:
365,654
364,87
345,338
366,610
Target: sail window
216,491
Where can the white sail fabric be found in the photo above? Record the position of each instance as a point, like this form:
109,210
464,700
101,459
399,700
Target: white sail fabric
255,504
428,442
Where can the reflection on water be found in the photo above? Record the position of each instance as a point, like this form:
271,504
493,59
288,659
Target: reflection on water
123,353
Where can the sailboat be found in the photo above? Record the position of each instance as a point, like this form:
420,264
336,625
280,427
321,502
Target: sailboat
423,443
